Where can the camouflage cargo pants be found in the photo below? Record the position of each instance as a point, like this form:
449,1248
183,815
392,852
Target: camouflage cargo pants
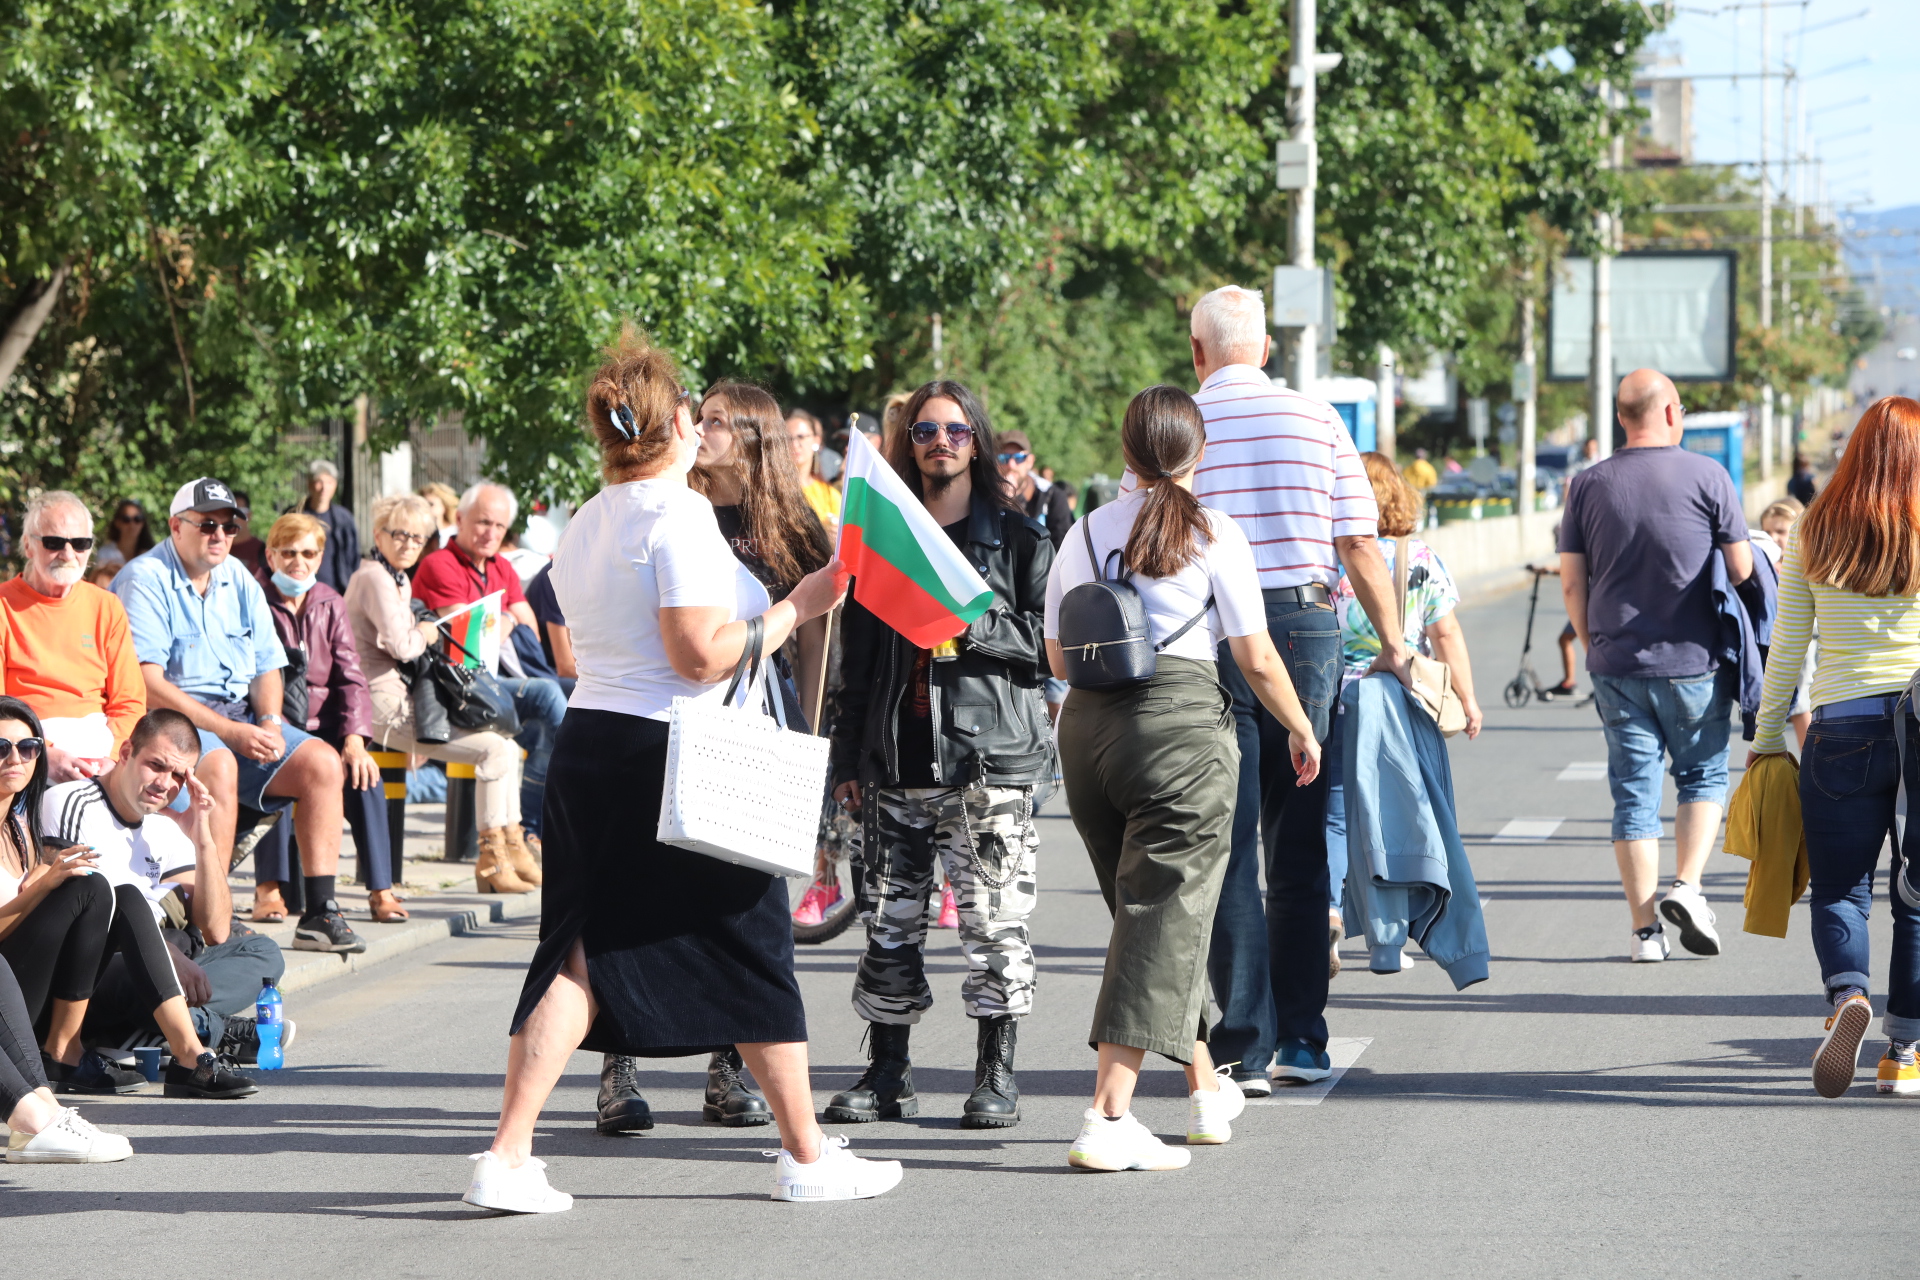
988,847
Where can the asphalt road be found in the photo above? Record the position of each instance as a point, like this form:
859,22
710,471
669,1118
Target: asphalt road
1574,1114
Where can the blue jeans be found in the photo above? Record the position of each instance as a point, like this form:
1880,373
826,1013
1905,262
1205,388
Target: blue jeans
1849,776
1270,976
541,706
1687,717
1331,765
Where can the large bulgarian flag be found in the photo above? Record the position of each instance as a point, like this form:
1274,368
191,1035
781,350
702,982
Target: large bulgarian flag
906,571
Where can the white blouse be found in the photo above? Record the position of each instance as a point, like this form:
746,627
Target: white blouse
1224,569
631,551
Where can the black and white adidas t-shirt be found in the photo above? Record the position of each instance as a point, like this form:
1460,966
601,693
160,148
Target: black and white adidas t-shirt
143,856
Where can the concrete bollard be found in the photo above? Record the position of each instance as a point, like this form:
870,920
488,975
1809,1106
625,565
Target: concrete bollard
393,777
462,833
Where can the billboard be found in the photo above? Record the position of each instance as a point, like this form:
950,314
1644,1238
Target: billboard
1671,311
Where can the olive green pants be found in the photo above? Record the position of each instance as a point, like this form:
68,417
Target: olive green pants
1151,778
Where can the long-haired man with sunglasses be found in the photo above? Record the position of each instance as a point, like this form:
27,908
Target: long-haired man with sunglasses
938,751
65,646
207,649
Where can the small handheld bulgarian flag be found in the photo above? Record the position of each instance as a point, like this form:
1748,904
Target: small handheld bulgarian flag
474,633
906,571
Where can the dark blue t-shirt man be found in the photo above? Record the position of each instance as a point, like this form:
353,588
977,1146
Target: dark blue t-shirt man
1649,521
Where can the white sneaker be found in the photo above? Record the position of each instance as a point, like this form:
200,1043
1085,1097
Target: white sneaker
1211,1112
68,1140
1649,945
1254,1087
837,1174
1686,907
1113,1145
522,1190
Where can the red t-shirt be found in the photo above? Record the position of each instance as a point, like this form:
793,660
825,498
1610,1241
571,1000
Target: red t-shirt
446,577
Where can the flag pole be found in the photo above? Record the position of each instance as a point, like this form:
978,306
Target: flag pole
826,651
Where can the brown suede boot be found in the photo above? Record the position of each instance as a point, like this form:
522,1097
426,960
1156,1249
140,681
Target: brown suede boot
521,857
493,869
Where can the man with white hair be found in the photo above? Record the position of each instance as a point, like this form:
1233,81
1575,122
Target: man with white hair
468,569
65,647
1281,464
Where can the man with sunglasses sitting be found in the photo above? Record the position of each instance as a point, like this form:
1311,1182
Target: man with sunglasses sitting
207,649
65,647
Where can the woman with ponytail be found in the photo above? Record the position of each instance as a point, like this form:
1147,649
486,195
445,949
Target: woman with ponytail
1152,772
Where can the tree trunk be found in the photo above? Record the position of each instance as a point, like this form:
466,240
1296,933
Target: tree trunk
26,324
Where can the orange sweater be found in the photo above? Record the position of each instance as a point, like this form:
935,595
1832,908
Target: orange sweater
70,657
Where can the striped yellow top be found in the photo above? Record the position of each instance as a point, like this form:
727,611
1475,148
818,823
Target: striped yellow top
1868,645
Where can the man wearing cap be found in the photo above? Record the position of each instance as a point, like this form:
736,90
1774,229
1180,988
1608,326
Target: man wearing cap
207,648
65,646
1045,502
340,553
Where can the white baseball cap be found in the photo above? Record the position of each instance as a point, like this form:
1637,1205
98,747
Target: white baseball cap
203,494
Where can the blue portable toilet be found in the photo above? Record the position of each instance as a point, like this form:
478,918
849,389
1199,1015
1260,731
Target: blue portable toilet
1722,437
1356,401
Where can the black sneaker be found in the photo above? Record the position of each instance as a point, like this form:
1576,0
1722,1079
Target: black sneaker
327,930
94,1074
620,1108
210,1078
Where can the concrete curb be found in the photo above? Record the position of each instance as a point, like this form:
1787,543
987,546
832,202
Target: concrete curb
309,969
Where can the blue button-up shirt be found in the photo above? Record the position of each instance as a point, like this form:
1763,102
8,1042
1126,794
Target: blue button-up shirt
210,646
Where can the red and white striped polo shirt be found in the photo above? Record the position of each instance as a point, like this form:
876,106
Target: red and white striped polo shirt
1283,466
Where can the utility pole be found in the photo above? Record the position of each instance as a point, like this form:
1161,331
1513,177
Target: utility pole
1601,404
1384,435
939,363
1302,79
1766,244
1529,413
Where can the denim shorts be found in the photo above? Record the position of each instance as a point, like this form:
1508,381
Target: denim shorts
1686,717
254,777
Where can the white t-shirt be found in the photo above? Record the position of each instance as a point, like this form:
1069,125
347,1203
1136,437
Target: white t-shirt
143,856
1224,569
631,551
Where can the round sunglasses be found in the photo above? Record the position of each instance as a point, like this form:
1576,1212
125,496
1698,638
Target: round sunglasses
29,748
958,433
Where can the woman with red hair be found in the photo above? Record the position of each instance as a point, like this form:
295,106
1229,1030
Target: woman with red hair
1852,567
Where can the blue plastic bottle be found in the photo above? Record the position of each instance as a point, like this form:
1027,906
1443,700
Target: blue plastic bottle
266,1015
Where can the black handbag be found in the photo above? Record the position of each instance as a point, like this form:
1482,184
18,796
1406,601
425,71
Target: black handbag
293,687
1105,638
474,699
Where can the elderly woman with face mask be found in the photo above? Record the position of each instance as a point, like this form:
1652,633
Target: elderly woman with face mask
328,699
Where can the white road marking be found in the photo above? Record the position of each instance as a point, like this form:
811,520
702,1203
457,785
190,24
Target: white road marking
1528,830
1584,771
1342,1052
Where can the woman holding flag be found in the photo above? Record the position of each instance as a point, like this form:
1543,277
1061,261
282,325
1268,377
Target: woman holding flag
658,609
940,739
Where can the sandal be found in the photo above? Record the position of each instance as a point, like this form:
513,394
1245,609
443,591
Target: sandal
386,908
269,907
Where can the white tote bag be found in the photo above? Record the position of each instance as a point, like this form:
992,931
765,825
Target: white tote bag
741,786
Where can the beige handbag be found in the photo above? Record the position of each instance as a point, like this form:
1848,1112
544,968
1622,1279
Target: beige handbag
1432,679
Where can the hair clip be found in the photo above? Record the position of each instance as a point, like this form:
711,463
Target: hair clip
623,422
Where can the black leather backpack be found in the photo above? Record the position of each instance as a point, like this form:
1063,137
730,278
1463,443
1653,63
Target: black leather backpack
1104,634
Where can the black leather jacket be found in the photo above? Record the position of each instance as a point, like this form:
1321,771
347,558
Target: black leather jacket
987,703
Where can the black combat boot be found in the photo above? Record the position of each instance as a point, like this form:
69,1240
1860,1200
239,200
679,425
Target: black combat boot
730,1099
621,1108
885,1090
995,1100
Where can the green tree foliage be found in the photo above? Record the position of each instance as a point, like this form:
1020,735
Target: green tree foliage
268,209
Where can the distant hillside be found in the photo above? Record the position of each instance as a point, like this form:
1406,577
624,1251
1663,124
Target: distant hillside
1884,247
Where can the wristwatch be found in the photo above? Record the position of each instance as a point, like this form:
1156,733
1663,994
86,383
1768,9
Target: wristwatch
273,720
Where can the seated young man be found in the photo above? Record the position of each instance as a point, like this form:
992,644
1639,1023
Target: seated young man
137,849
207,649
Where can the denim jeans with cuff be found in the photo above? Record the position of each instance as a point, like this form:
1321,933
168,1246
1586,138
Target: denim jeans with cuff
1849,778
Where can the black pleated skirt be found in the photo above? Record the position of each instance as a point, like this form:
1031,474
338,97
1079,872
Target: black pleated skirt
686,954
